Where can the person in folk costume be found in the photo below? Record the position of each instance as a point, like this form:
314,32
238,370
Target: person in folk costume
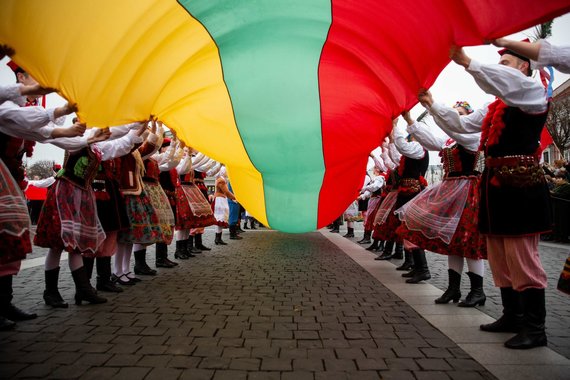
233,219
372,192
200,173
220,205
542,53
443,217
363,201
383,231
158,199
144,224
515,202
16,125
193,209
110,210
69,220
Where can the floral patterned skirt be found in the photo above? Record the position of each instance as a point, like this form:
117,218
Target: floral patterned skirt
192,209
15,223
143,220
163,210
466,240
69,220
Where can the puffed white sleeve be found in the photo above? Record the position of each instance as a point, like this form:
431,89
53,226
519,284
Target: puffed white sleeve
30,123
386,157
450,121
10,92
118,147
213,171
411,149
430,137
510,85
184,165
556,56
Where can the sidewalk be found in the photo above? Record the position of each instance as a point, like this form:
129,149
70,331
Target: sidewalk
271,306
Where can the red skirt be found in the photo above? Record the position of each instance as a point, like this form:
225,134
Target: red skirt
466,241
373,205
15,223
69,220
185,218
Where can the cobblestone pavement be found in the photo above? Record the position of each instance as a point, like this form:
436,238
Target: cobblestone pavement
553,257
271,306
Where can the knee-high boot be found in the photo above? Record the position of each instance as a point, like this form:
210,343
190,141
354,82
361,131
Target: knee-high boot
180,252
513,313
104,282
190,248
218,240
386,252
532,333
366,238
83,289
51,293
420,266
349,233
202,247
453,292
141,267
161,256
476,295
408,262
399,251
7,309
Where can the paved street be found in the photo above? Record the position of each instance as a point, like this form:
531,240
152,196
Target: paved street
271,306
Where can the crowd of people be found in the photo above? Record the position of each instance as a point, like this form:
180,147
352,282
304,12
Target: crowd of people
494,201
120,190
124,188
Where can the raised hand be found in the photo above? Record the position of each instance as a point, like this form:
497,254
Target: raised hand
101,134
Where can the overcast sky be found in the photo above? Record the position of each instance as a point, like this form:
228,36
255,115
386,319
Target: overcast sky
452,84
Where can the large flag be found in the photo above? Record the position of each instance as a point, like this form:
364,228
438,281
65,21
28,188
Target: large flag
291,94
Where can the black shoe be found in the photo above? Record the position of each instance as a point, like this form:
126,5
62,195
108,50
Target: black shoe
162,263
122,280
349,233
373,247
180,252
453,292
476,296
141,267
408,262
199,245
366,238
51,293
399,251
108,286
420,267
6,324
219,240
385,249
14,313
191,250
513,313
233,233
245,227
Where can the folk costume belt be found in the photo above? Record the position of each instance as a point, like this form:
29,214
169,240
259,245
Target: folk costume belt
515,171
409,186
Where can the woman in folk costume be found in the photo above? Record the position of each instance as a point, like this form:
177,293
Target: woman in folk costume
444,217
14,217
69,221
158,200
200,173
193,210
372,191
221,206
110,211
413,165
144,223
384,225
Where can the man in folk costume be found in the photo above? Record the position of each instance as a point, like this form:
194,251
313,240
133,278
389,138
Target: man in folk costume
443,217
14,218
221,206
515,202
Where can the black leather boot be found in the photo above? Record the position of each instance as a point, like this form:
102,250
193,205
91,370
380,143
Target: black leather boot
233,233
349,233
513,313
408,262
83,289
453,292
104,282
366,238
336,226
245,227
7,309
219,240
420,266
141,267
252,223
374,246
532,333
180,252
88,264
190,248
198,242
476,296
51,293
161,257
399,251
386,252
